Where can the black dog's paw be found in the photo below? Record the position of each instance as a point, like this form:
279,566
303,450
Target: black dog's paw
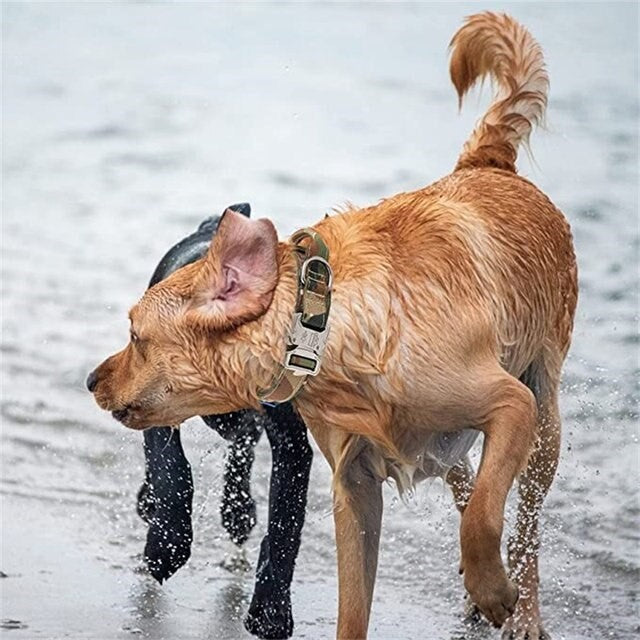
146,502
168,547
270,619
238,516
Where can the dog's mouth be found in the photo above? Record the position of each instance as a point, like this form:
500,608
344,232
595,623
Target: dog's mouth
121,414
135,416
128,416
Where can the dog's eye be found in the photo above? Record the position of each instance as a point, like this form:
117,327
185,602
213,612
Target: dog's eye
134,336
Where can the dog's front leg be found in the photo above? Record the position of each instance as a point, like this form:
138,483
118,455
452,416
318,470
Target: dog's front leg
164,502
358,517
269,614
509,426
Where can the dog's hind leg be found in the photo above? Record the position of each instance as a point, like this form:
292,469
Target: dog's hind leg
460,479
533,487
505,411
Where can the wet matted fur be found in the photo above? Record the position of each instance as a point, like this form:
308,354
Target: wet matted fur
452,309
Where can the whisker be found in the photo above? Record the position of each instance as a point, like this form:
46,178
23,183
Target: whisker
173,428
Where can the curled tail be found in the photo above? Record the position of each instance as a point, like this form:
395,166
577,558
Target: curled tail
495,44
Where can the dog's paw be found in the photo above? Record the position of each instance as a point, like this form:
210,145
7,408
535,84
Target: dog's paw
238,517
495,595
168,547
270,619
524,626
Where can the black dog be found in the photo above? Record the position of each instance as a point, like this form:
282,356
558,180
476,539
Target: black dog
164,499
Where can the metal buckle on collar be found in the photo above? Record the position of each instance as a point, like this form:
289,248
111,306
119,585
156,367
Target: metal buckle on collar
308,334
305,349
305,267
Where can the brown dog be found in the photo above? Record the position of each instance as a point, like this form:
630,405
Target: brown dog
452,309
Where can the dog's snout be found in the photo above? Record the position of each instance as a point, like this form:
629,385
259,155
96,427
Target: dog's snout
92,381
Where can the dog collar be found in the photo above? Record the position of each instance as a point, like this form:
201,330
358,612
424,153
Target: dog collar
309,328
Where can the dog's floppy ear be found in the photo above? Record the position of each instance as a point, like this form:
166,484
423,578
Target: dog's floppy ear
238,275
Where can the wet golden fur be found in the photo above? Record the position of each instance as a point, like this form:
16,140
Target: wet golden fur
445,301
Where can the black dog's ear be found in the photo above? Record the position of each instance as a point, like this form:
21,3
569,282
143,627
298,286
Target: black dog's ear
242,207
210,225
207,226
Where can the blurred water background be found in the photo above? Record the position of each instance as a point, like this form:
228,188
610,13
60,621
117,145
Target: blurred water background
126,124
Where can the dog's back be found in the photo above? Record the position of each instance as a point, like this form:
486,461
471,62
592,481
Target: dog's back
479,262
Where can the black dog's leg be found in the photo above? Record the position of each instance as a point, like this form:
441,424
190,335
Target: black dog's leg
269,614
164,502
238,508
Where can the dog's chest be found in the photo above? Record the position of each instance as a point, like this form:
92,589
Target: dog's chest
432,454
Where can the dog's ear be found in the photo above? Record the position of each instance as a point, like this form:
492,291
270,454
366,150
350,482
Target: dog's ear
239,273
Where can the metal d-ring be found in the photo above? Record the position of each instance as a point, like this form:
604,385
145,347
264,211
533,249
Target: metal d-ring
305,266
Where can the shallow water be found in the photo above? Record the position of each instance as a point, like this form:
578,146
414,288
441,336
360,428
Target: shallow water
124,126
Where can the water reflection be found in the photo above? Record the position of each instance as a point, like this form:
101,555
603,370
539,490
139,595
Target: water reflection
149,610
231,600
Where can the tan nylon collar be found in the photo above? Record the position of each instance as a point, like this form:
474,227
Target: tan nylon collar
308,333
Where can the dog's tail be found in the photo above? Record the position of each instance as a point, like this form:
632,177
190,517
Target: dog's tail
496,45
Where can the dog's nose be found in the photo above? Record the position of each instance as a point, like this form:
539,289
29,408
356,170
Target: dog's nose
92,381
